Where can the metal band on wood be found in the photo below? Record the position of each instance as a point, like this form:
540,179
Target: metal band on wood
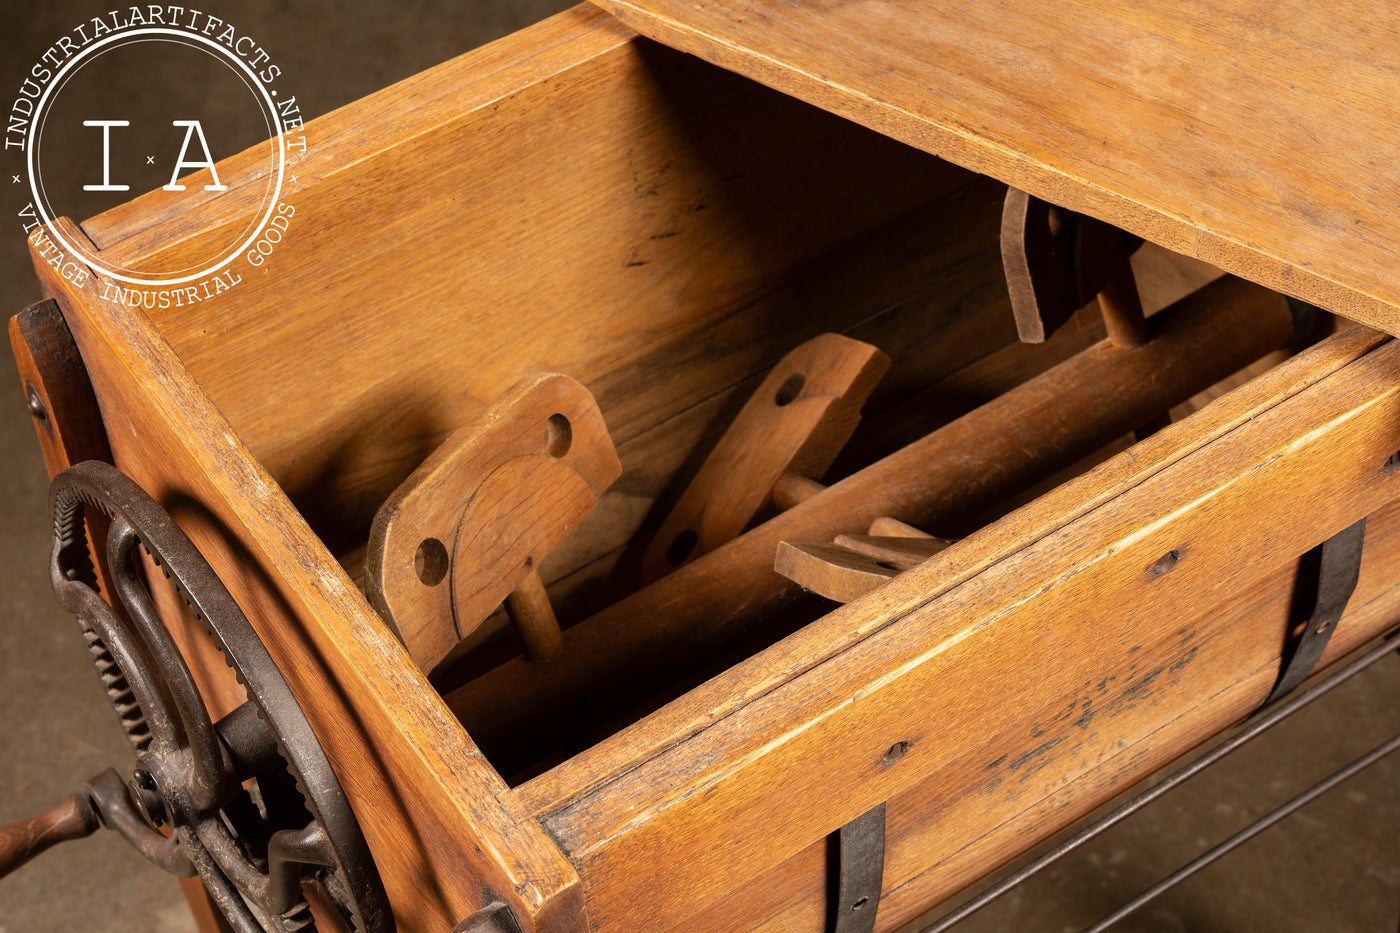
1327,576
860,870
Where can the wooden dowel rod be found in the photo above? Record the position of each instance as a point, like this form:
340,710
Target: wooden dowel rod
627,651
790,489
534,618
887,527
1121,305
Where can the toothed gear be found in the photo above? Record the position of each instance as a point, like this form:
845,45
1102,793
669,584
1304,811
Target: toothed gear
252,850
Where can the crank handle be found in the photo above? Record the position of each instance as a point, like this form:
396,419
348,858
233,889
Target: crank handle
107,801
74,818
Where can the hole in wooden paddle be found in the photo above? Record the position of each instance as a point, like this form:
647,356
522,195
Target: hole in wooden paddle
681,547
1391,463
430,562
790,389
558,435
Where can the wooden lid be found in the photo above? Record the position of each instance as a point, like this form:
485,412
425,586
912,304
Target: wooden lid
1263,137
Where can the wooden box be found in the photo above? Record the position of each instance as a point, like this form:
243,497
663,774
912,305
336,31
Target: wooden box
577,199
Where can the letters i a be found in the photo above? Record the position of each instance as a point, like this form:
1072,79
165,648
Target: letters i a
192,129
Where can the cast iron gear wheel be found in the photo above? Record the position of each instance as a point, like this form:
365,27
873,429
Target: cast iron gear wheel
251,800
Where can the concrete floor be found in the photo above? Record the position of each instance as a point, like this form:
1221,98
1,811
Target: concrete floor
1335,867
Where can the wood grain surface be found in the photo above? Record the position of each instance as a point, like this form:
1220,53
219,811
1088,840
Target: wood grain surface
793,896
1130,654
1260,138
425,798
930,385
61,403
664,211
838,573
796,422
479,515
646,203
1040,426
57,389
853,565
904,551
1047,514
570,199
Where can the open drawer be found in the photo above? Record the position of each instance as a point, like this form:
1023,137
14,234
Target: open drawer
575,199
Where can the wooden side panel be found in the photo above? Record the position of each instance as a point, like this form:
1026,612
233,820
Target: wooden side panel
920,872
1090,606
425,797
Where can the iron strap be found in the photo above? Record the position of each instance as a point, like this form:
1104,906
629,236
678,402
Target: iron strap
860,871
1327,576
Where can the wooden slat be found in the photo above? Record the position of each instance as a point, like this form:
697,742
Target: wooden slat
1261,142
1090,607
830,570
796,422
903,551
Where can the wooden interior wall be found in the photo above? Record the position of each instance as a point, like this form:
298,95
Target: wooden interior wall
576,201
